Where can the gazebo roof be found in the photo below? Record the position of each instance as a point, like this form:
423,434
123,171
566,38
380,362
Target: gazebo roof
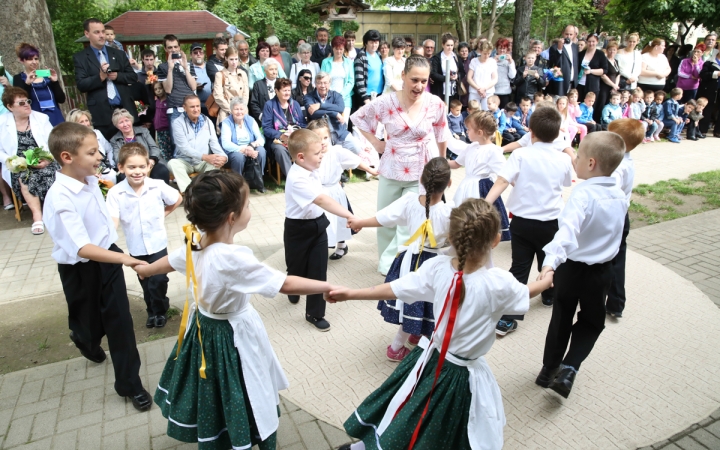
145,26
319,7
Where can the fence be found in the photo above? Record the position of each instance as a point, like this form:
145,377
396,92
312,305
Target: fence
75,98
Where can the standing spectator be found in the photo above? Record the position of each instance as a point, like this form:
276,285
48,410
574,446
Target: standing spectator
296,56
257,70
281,116
529,79
216,62
46,94
582,44
126,134
610,80
655,67
674,55
241,138
593,65
231,82
384,50
110,39
350,50
245,59
506,71
428,48
393,67
564,54
177,76
325,101
710,52
438,66
482,76
710,81
409,45
340,69
281,57
104,75
264,89
464,59
629,62
321,49
148,65
368,69
689,73
202,75
161,121
304,52
540,60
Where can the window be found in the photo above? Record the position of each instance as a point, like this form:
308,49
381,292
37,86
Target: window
403,36
383,37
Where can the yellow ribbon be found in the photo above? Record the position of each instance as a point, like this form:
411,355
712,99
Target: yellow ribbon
425,231
498,138
192,235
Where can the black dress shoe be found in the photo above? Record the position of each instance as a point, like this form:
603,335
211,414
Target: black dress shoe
142,401
96,356
150,322
335,256
294,299
160,320
546,376
344,447
563,382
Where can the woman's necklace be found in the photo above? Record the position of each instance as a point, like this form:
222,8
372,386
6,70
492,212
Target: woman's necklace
18,126
404,104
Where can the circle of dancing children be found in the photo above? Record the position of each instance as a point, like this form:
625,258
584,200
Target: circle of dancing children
468,299
429,216
220,384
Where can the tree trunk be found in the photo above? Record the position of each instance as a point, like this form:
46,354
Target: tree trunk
479,19
491,28
27,21
521,29
463,32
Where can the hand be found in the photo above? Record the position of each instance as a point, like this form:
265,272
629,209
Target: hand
143,270
151,164
525,72
537,75
112,76
53,75
219,161
129,261
340,118
373,171
42,164
560,43
631,80
250,152
616,86
546,271
4,81
103,71
134,64
337,294
312,108
687,120
380,146
354,223
30,79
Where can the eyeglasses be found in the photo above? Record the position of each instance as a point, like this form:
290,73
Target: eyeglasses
24,102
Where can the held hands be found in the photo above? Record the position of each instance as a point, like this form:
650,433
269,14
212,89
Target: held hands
337,294
250,152
354,223
547,275
142,269
129,261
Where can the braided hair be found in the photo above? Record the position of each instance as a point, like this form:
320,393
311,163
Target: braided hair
435,179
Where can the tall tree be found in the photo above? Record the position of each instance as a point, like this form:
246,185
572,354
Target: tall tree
521,28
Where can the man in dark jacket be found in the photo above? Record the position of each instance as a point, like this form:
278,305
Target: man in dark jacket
564,54
709,88
216,62
321,49
326,103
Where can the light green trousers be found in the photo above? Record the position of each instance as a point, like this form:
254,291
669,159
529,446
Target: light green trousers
389,239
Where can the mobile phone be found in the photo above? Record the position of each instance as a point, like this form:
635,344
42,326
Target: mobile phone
42,73
532,72
201,86
502,57
176,56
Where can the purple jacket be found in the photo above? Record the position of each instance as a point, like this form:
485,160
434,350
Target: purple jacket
689,75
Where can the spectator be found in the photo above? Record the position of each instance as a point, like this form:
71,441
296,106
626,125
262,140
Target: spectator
110,39
409,46
283,58
23,129
582,44
609,81
629,62
611,111
418,50
230,83
384,50
564,54
482,76
350,50
303,87
241,138
674,55
321,49
594,65
540,60
104,75
281,116
327,102
368,70
709,81
197,148
257,70
106,166
506,71
340,69
245,59
46,94
529,78
655,67
126,134
177,76
304,52
161,121
438,67
264,89
464,59
296,56
428,48
710,52
672,115
204,82
148,65
393,67
216,62
689,73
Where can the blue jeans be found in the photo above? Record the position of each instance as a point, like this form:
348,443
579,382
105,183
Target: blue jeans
651,129
674,128
236,160
172,116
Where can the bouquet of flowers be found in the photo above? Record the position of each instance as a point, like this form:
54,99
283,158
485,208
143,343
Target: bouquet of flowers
554,74
140,107
151,77
104,186
16,164
33,156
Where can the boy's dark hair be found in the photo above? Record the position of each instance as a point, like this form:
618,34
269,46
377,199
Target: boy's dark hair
131,149
67,137
648,92
545,124
435,179
169,37
219,41
691,102
615,94
212,196
526,99
147,52
675,92
87,22
660,94
108,27
454,103
511,107
538,94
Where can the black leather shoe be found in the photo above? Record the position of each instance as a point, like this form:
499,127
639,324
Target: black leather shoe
142,401
160,320
344,447
335,256
96,356
321,324
294,299
563,382
546,376
150,322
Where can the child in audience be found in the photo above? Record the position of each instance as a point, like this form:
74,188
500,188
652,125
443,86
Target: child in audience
611,111
562,106
110,38
456,123
161,121
560,143
625,102
473,105
530,79
637,108
493,104
548,98
521,119
650,124
701,103
574,112
657,114
692,119
510,131
672,119
537,98
586,113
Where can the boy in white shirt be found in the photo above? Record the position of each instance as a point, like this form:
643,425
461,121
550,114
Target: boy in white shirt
580,255
632,132
560,143
89,262
141,204
538,173
305,238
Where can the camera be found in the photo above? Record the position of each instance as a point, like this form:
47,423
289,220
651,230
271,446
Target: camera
567,40
502,57
176,56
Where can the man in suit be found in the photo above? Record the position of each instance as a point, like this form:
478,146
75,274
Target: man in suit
564,54
321,49
324,102
104,74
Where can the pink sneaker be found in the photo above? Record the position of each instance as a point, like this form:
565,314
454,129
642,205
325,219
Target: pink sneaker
413,340
398,355
651,139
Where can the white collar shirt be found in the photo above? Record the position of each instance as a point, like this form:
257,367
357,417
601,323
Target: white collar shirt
590,226
568,51
538,173
142,214
75,215
625,176
560,143
302,187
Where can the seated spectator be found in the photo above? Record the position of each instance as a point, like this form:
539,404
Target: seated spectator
281,116
530,78
257,70
341,72
672,113
283,58
46,94
521,119
611,111
304,86
123,121
231,82
510,132
264,89
304,64
241,138
586,113
23,129
326,102
197,148
456,121
106,165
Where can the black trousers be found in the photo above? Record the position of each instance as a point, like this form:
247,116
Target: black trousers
281,155
155,287
592,127
306,255
528,238
508,137
691,130
616,295
98,306
586,285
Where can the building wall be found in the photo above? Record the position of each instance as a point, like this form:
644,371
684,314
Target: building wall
416,25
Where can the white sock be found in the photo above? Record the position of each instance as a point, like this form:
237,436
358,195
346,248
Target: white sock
340,248
357,446
400,339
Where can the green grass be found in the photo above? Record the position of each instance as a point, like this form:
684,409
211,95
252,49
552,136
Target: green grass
155,337
172,312
43,345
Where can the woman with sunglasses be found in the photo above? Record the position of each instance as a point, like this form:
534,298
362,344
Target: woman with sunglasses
303,86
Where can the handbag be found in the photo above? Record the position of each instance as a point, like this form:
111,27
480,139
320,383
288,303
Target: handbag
624,85
252,172
211,105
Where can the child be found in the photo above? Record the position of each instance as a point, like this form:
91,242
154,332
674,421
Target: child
693,119
637,108
548,98
222,378
701,103
521,119
581,254
562,106
611,111
657,114
305,238
110,38
560,143
539,173
493,104
650,124
510,133
89,262
141,205
537,98
586,113
456,123
335,160
467,411
574,112
482,160
632,135
672,119
161,121
429,216
473,105
530,79
625,102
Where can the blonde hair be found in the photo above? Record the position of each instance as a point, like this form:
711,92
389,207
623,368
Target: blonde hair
474,105
300,140
76,114
119,114
482,121
474,226
702,102
485,46
605,147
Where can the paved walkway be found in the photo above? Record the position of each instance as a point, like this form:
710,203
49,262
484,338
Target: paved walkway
647,379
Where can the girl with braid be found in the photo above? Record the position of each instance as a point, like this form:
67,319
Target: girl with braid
468,299
429,217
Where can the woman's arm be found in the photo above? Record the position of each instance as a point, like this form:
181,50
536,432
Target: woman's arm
58,92
645,72
349,79
493,80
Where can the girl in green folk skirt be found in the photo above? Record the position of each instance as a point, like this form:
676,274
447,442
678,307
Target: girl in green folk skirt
443,394
220,386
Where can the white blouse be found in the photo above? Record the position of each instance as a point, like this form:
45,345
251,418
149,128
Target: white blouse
655,63
408,212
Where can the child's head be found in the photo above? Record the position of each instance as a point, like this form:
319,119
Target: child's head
455,107
109,33
659,96
625,97
75,145
305,148
538,97
530,59
561,103
216,199
615,98
599,154
630,130
545,123
159,89
474,230
701,103
435,179
548,98
133,162
473,105
493,103
525,104
589,99
649,96
690,106
321,128
637,94
480,124
676,94
510,109
572,95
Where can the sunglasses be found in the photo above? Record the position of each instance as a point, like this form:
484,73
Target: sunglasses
306,78
24,102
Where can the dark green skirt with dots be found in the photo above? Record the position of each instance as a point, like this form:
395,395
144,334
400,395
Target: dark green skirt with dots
445,424
215,411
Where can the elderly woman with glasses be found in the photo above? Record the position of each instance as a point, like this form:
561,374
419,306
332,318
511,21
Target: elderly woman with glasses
304,52
24,129
85,118
127,133
241,138
257,70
